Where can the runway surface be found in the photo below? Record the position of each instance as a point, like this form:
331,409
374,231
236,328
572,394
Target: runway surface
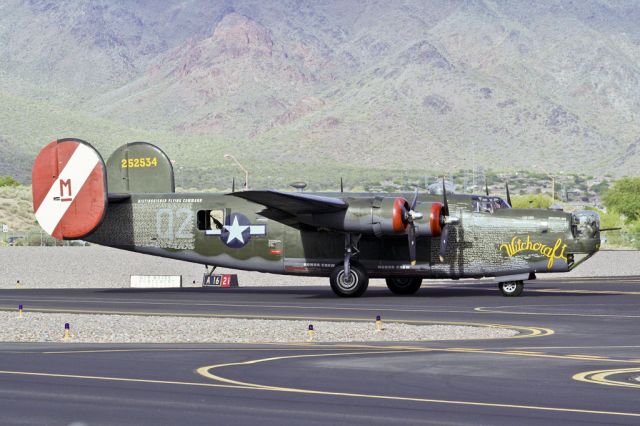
576,360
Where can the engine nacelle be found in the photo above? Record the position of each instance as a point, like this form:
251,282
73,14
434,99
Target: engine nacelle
389,216
386,216
430,225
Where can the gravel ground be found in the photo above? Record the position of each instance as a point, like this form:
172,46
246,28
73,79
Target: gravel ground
44,327
95,267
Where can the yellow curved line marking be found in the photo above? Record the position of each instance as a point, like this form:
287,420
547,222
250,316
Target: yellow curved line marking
600,377
205,371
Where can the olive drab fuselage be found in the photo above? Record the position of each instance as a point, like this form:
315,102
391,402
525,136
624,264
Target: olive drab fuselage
487,241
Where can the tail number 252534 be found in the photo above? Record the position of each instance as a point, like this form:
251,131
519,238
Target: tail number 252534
134,163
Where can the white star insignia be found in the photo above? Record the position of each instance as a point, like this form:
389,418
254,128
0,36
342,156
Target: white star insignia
235,231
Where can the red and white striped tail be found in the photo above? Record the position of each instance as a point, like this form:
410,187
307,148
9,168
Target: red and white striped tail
69,188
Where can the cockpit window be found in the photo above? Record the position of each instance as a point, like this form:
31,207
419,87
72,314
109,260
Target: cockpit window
488,204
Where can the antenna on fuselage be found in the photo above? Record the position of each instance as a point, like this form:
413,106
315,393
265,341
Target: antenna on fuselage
341,185
486,187
508,195
233,185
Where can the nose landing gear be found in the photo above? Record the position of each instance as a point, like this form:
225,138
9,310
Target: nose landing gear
511,288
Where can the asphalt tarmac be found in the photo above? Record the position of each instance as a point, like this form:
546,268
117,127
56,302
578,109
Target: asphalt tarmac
576,360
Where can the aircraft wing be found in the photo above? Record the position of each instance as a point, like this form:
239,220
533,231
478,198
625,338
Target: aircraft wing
293,203
293,208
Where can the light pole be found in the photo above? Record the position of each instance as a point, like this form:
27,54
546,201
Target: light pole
246,173
553,182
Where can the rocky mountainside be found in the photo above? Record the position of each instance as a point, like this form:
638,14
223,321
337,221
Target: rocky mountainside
312,89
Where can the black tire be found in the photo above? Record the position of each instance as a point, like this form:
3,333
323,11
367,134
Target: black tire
404,286
345,289
511,288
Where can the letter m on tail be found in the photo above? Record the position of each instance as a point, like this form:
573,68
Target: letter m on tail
65,184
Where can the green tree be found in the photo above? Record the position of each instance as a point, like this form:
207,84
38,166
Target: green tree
532,201
624,197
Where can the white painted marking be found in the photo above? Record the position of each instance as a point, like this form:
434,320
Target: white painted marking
77,170
235,231
258,229
156,281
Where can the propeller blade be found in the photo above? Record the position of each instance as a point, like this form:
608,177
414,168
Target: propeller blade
411,229
415,200
233,185
445,208
486,188
444,240
341,185
609,229
508,195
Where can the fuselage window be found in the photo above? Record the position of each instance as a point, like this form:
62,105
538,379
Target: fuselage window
210,219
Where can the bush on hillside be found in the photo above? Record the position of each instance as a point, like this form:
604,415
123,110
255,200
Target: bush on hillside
8,181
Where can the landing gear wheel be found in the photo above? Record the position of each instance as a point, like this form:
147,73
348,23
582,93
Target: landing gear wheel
404,285
511,288
353,286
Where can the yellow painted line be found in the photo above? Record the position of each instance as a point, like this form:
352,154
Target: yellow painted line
118,379
540,355
587,356
490,310
576,291
98,351
464,349
601,377
206,372
577,347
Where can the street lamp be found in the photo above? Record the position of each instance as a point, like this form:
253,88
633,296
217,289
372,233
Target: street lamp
246,173
553,182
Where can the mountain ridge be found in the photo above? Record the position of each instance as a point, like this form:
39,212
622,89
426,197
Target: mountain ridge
373,86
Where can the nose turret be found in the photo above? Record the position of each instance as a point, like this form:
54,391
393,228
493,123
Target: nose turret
585,227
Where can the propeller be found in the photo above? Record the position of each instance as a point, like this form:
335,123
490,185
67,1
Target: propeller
408,217
508,195
445,220
486,187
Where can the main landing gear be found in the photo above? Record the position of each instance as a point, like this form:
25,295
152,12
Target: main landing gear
349,278
404,286
511,288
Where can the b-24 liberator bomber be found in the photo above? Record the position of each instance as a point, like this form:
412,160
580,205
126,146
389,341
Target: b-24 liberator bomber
130,203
